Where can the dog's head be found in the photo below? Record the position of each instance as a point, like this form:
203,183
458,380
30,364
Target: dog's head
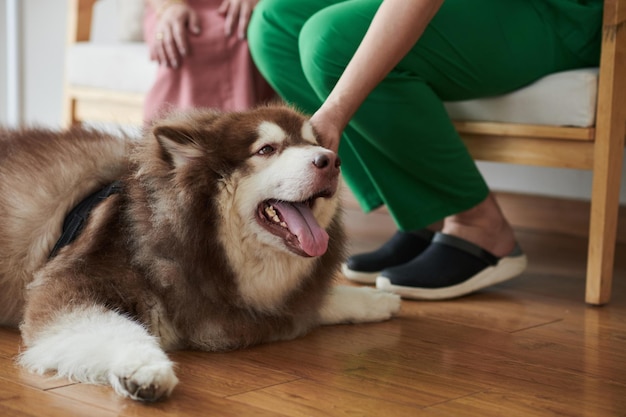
271,181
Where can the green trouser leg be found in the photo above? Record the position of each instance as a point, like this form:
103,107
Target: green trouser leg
401,148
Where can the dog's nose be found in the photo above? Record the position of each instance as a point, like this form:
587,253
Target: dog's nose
324,160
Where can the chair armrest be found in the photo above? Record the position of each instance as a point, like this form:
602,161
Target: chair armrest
79,15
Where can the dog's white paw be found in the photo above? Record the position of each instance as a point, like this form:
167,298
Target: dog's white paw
346,304
148,382
100,346
386,304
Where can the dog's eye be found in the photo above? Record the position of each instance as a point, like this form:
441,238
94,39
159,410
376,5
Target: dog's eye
266,150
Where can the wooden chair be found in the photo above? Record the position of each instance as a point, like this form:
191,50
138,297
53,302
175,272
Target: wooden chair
599,149
92,104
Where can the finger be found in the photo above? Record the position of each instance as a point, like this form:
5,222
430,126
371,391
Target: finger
223,7
194,23
244,18
231,18
160,50
170,50
152,47
163,55
179,38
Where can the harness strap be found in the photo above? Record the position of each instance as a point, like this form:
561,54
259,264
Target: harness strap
76,219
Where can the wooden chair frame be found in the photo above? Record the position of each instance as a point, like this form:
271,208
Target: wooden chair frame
599,148
95,104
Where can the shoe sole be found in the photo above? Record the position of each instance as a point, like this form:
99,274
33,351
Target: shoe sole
507,268
360,277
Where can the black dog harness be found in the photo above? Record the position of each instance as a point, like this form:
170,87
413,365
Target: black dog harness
76,219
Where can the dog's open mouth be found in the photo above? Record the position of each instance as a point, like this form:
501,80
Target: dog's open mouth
295,224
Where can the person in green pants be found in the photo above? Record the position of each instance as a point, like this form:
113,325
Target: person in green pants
374,75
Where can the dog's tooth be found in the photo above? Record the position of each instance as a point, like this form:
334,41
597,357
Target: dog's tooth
269,210
283,224
276,218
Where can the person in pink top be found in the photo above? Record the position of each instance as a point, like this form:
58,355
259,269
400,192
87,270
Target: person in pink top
203,56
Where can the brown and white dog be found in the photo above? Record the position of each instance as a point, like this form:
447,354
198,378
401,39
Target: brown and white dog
224,232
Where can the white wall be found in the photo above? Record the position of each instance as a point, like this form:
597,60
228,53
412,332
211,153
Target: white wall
43,40
44,35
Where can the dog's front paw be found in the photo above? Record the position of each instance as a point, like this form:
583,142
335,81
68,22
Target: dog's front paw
100,346
347,304
385,304
147,382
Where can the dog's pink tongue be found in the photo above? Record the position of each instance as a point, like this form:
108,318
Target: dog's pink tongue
299,218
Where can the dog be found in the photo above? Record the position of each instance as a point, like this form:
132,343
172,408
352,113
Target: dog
216,231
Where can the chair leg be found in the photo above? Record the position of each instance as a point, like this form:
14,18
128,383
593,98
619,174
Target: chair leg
69,112
601,253
608,155
604,216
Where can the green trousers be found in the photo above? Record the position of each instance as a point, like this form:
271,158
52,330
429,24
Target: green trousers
401,149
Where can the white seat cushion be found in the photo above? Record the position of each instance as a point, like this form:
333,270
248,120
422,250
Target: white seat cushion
114,66
564,99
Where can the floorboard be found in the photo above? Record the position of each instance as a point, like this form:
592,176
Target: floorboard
527,347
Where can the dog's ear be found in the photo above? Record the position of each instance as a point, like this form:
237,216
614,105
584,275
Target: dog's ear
177,144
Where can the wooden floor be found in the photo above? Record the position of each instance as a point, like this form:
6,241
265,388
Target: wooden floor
528,347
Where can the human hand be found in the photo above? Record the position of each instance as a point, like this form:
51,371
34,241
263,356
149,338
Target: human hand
327,129
237,14
171,34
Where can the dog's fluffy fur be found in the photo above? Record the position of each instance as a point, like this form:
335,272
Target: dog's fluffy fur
189,255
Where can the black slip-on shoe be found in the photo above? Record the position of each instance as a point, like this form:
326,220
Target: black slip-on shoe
450,267
401,248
